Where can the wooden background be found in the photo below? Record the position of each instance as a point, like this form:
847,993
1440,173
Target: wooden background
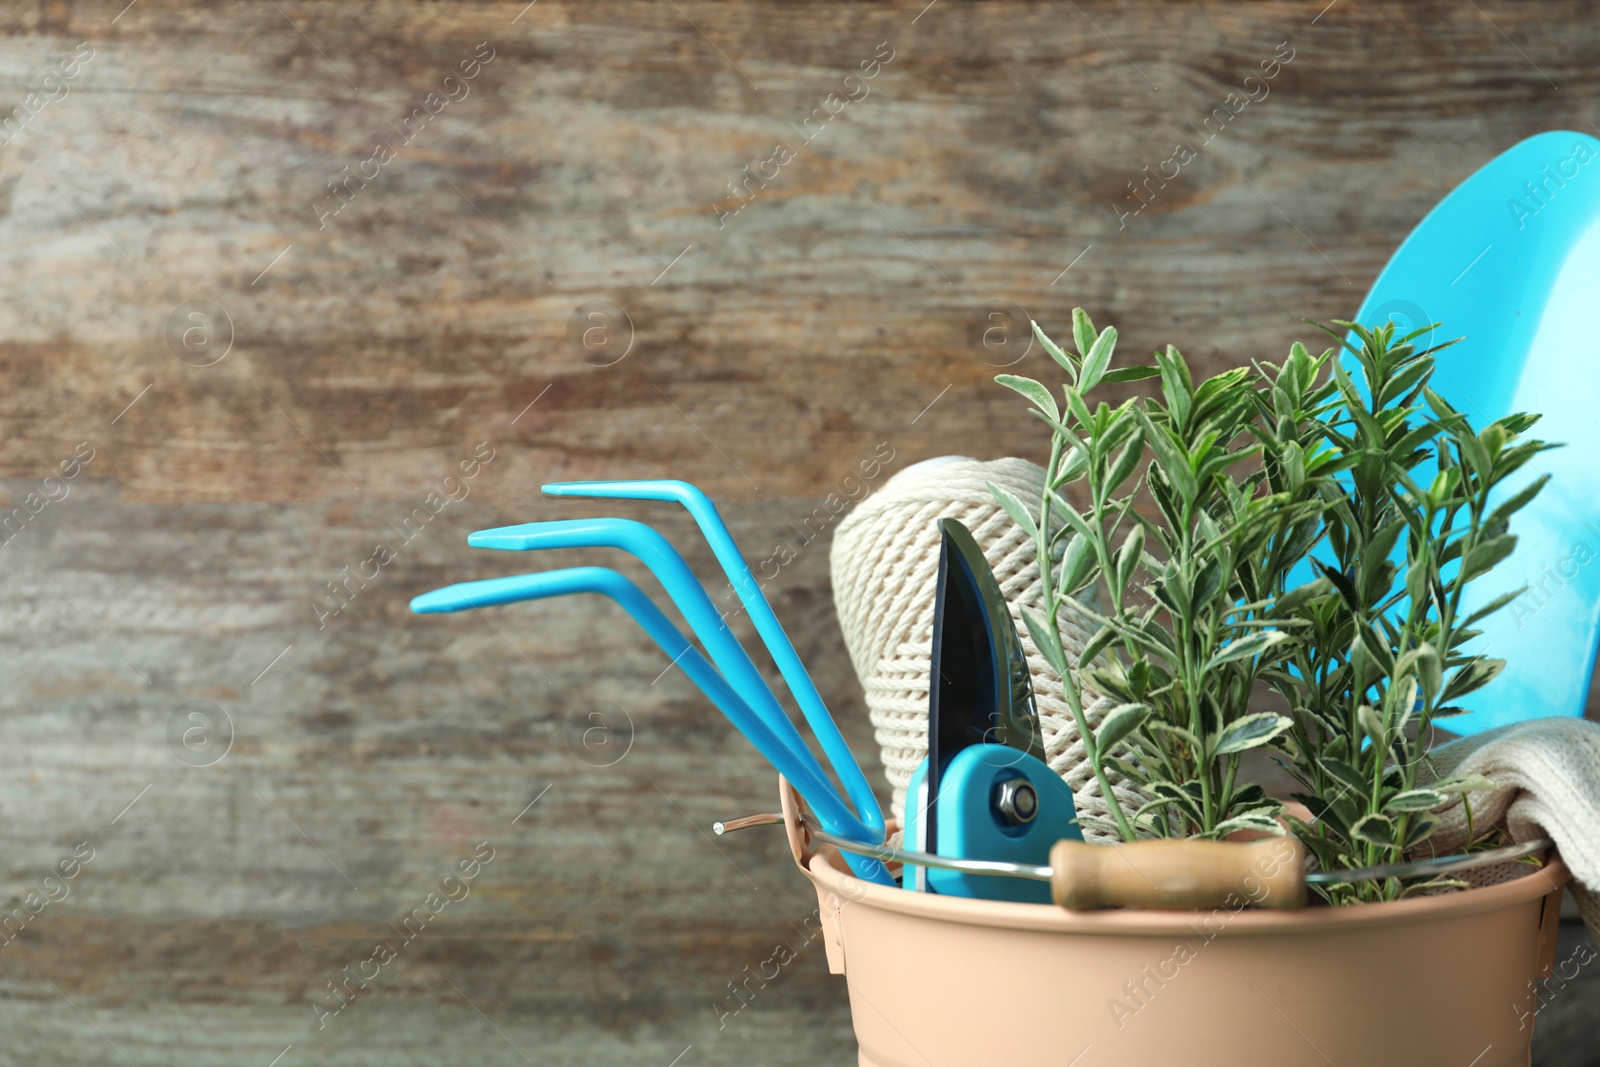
767,354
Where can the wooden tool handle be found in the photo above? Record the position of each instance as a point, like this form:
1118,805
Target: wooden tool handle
1268,873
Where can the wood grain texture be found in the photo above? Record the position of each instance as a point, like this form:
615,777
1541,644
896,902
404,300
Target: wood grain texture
373,350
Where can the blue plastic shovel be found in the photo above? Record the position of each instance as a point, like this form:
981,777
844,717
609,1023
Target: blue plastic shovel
1510,261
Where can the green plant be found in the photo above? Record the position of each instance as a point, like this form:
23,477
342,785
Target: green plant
1386,650
1202,592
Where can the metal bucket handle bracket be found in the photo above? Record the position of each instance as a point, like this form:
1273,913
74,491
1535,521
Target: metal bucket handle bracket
829,903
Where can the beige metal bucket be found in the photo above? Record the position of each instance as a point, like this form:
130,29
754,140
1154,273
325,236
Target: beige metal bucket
1445,981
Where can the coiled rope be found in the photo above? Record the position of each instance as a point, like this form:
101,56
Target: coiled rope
884,563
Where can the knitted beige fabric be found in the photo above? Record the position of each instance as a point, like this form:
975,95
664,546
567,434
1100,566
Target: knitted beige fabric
1547,784
885,561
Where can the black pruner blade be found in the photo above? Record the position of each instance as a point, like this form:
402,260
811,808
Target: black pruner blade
979,687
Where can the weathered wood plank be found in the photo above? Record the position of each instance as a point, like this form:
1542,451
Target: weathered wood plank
998,140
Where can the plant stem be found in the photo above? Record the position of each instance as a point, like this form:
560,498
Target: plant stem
1069,680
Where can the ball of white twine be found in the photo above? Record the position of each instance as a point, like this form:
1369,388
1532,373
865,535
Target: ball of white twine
885,560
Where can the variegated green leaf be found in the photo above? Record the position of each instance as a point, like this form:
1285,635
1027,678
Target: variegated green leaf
1055,352
1415,800
1083,331
1260,823
1033,391
1246,647
1045,640
1250,731
1020,513
1127,462
1373,725
1098,359
1118,723
1097,644
1375,830
1129,556
1077,564
1463,783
